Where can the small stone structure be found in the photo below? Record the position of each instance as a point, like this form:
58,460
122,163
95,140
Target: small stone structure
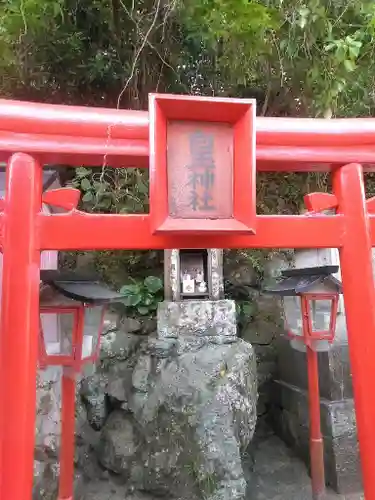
183,409
290,400
209,260
176,411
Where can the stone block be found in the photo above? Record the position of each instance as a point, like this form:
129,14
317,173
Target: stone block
197,317
335,380
291,420
343,467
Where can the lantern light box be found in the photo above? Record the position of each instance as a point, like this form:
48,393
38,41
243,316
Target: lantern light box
310,301
72,312
202,164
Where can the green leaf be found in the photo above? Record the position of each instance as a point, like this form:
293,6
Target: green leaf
142,187
248,309
349,65
153,284
143,310
88,196
148,300
82,172
85,184
132,300
130,290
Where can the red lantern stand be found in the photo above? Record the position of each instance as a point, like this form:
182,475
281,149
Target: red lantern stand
316,438
76,307
36,134
304,290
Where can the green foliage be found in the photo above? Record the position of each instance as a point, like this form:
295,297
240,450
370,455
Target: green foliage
309,57
245,298
122,190
246,310
297,57
142,297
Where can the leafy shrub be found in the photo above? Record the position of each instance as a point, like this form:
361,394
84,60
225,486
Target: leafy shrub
142,297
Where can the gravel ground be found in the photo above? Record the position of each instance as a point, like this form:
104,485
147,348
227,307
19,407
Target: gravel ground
277,475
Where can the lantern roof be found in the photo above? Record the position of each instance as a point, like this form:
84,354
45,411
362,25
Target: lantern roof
304,280
88,289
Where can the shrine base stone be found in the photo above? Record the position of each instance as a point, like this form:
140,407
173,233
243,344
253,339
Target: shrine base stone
181,405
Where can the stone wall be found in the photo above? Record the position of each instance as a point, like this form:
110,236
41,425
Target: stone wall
47,436
261,328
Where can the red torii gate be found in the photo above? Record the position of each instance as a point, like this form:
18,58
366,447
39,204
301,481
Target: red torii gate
35,134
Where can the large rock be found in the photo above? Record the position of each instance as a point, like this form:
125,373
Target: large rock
181,422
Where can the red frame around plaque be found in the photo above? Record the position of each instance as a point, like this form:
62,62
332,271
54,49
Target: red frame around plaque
239,114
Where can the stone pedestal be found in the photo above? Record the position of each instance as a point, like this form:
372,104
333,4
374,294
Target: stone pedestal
197,318
182,404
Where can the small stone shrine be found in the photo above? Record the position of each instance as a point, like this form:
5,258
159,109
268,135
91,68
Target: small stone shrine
195,410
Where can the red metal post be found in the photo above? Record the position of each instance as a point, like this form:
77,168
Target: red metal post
318,485
66,481
316,439
359,297
19,326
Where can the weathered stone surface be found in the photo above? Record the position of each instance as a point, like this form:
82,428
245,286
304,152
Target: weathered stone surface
130,325
186,418
195,317
149,326
118,443
335,380
238,269
291,418
119,346
48,402
46,477
259,332
92,392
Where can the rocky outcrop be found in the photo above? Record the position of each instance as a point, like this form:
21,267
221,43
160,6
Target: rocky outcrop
174,415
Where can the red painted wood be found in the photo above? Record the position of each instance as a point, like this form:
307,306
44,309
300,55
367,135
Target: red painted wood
169,143
96,231
318,202
318,483
359,297
69,150
37,118
67,447
74,121
328,155
19,326
89,151
66,198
